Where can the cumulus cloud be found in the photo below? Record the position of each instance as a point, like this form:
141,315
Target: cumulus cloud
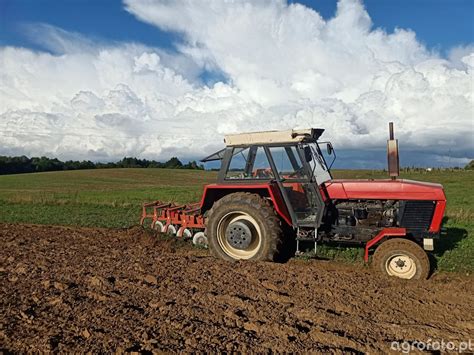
284,66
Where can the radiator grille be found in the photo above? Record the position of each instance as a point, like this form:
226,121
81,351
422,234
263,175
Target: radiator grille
417,214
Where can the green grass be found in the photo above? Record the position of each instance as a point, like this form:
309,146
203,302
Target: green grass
112,198
94,198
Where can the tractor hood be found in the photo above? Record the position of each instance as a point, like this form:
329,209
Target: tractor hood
384,189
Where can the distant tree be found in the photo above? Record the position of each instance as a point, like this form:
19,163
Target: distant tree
86,164
173,163
128,162
193,165
15,165
46,164
155,164
71,165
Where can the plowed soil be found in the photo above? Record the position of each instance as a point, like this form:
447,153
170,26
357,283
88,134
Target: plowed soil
66,289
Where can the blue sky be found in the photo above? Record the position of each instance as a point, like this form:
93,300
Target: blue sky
440,24
113,83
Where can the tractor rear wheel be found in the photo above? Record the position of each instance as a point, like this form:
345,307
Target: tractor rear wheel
401,258
242,225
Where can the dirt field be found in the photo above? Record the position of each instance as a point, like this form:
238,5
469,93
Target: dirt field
100,290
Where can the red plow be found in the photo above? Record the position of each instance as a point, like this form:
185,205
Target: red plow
184,221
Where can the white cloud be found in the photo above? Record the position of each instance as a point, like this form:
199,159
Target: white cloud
285,67
461,57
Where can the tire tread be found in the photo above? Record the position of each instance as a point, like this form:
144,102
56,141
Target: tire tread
262,207
401,244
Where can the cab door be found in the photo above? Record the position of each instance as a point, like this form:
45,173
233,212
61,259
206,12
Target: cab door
294,177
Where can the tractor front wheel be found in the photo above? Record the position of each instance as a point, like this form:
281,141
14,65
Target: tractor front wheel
243,226
401,258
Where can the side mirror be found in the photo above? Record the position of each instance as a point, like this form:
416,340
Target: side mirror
329,148
308,155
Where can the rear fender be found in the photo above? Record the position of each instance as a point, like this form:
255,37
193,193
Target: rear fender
213,193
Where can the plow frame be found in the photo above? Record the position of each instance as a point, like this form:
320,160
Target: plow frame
181,217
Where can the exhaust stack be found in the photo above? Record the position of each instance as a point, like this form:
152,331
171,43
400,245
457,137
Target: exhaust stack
392,154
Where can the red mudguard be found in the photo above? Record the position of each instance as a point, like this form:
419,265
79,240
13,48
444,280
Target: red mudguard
393,232
213,192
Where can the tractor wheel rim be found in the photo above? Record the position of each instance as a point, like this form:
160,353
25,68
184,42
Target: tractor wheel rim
401,265
239,219
239,234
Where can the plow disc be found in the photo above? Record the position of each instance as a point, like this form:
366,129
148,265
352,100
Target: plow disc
183,221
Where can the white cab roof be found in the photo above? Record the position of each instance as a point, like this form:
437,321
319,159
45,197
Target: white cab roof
271,137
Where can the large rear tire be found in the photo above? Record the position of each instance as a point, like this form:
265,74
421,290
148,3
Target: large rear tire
401,258
242,225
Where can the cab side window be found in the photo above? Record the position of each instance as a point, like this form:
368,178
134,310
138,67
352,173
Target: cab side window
288,162
250,163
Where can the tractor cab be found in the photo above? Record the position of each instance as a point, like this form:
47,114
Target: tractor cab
292,161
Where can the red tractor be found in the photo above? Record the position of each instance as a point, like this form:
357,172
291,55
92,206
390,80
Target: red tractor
276,187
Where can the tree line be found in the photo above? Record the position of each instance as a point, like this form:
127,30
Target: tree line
468,166
23,164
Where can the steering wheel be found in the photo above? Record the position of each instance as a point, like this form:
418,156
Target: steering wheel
296,173
262,173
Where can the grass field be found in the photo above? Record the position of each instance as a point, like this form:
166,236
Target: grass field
112,198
